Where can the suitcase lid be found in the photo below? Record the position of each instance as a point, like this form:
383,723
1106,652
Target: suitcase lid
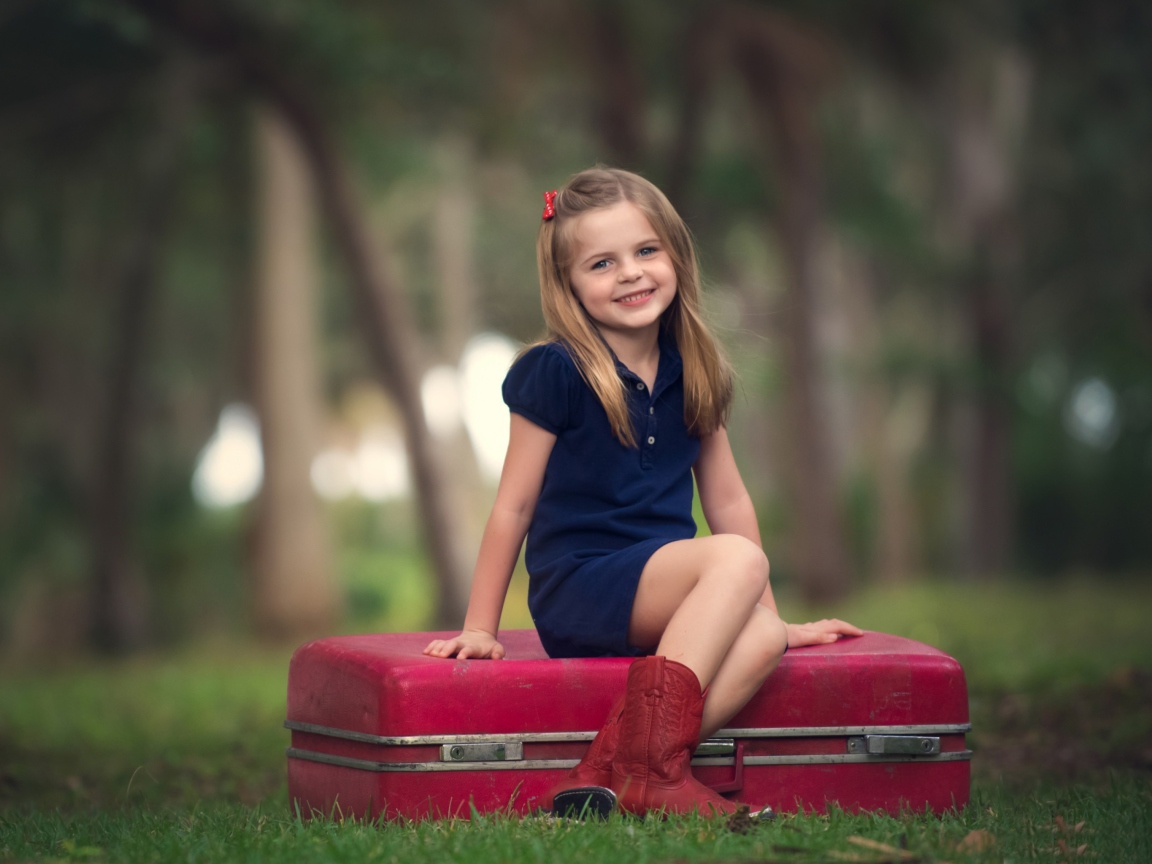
382,685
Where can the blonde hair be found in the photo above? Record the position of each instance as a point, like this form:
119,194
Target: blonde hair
707,373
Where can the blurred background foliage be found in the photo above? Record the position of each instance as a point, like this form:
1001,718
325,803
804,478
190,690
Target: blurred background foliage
923,228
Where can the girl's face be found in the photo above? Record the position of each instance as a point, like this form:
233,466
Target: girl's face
621,273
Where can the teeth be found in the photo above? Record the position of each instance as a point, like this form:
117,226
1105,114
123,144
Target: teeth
635,296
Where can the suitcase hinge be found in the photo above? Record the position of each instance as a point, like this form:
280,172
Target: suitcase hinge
895,745
714,747
496,751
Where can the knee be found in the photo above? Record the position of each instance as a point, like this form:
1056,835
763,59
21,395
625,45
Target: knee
771,637
742,564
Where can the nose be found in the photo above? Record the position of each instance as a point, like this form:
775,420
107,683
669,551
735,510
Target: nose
630,271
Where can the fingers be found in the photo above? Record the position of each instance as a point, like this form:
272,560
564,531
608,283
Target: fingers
822,632
463,650
846,629
833,625
442,647
475,652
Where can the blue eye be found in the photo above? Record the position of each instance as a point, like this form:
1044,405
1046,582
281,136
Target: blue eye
600,265
648,250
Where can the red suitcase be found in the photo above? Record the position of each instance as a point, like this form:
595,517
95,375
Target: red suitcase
872,723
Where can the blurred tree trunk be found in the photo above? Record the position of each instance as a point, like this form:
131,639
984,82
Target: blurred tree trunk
784,69
453,243
294,593
453,228
9,405
381,309
987,101
890,421
391,339
118,601
698,54
619,86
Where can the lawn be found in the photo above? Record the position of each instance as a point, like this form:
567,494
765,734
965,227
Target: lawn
180,757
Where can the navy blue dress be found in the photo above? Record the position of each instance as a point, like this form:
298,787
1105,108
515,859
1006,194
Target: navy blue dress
603,508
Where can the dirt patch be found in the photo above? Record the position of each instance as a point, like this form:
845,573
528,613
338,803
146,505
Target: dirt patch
1076,736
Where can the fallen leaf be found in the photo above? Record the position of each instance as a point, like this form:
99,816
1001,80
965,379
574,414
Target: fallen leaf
852,856
740,822
872,844
978,840
1122,678
1064,849
902,854
75,851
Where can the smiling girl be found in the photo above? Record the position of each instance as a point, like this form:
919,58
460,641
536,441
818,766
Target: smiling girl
613,413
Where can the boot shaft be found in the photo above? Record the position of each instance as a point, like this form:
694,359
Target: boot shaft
596,766
658,735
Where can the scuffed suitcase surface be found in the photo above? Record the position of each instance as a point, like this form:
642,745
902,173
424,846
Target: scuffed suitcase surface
347,693
385,685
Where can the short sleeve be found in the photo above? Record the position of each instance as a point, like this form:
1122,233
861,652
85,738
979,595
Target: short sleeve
539,387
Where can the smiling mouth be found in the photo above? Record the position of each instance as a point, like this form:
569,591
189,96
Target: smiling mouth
632,298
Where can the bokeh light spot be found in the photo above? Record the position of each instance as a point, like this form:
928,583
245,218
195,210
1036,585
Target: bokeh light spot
230,468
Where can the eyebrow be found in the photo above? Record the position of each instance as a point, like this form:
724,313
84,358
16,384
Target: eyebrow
596,256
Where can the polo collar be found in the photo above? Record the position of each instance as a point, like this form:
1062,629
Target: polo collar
668,370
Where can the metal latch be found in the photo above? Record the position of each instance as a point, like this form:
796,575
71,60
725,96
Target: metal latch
498,751
716,747
895,745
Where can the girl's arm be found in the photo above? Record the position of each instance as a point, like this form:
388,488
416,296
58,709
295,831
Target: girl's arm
726,503
728,509
529,447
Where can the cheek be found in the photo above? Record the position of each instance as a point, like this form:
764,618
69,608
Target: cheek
576,291
587,289
582,298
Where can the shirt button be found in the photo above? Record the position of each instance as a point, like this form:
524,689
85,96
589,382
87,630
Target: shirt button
651,440
651,409
640,385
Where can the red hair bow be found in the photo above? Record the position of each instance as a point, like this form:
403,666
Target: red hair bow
549,205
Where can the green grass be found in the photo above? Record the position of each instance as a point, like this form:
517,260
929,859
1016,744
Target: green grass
153,731
1017,634
180,757
1116,828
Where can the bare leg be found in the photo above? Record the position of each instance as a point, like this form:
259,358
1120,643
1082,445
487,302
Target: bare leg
694,601
690,602
751,659
695,597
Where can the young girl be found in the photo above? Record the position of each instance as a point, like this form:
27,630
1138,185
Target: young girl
612,414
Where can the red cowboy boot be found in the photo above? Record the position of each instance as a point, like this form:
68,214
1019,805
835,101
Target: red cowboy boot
586,791
659,731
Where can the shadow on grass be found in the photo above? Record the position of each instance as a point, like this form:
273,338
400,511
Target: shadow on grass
80,780
1080,735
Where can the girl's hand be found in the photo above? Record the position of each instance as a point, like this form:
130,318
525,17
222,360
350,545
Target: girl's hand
470,644
820,632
